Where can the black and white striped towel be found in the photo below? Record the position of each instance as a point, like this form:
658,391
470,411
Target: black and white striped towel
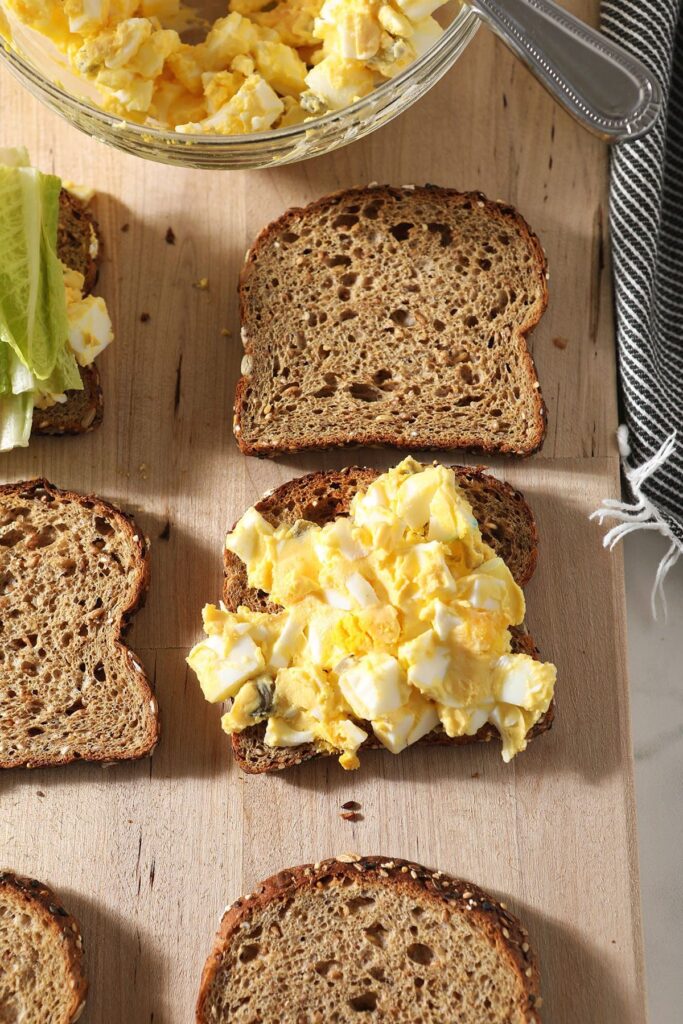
646,210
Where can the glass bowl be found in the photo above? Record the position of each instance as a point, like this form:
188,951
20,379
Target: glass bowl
262,149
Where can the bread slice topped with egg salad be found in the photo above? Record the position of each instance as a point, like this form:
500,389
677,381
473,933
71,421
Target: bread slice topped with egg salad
376,609
392,316
51,327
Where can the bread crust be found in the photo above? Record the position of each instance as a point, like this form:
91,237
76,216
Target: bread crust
500,926
38,899
380,437
37,489
330,496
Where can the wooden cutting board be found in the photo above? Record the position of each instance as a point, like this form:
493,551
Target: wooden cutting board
147,855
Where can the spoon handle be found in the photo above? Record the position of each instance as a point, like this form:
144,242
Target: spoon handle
610,92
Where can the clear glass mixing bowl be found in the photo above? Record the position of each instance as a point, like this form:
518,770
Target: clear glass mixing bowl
43,72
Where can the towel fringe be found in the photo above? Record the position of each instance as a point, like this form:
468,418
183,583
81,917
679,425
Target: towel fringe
641,514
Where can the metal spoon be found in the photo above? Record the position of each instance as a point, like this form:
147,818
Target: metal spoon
610,92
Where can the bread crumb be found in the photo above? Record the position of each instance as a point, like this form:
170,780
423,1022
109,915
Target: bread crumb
351,816
226,332
202,284
351,805
125,227
142,470
170,236
144,318
560,343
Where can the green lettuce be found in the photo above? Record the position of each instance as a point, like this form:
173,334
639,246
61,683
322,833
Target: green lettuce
34,356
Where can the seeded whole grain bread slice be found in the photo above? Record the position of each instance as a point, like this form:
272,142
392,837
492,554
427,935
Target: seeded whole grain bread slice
42,970
387,939
79,247
73,571
392,316
506,522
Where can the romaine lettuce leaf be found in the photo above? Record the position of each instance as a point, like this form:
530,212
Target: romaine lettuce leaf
16,419
34,354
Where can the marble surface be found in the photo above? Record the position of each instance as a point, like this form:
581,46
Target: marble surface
656,674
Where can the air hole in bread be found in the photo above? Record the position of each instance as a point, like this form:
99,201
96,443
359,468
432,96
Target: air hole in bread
344,294
484,264
371,211
347,314
249,952
364,392
359,903
35,730
380,378
329,969
103,527
99,672
290,236
338,261
345,220
401,231
10,538
42,538
7,583
377,934
444,232
402,317
77,705
420,954
366,1002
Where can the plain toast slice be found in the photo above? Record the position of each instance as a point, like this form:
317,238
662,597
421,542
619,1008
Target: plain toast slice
506,522
73,571
42,971
79,247
369,935
392,316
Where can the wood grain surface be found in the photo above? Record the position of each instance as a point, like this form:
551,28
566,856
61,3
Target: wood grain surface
147,855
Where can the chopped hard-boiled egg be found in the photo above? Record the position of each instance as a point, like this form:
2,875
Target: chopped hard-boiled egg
89,327
396,621
318,55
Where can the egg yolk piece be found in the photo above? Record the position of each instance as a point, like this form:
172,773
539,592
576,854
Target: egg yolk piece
395,621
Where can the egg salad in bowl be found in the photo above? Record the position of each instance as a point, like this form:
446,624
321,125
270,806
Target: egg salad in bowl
264,64
393,622
268,81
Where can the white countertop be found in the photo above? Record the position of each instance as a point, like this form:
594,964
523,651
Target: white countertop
656,673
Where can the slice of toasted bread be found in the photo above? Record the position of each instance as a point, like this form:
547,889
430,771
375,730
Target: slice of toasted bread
79,247
392,316
42,970
507,524
368,935
73,570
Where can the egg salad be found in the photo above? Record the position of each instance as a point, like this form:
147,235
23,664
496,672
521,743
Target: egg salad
48,327
266,64
395,620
